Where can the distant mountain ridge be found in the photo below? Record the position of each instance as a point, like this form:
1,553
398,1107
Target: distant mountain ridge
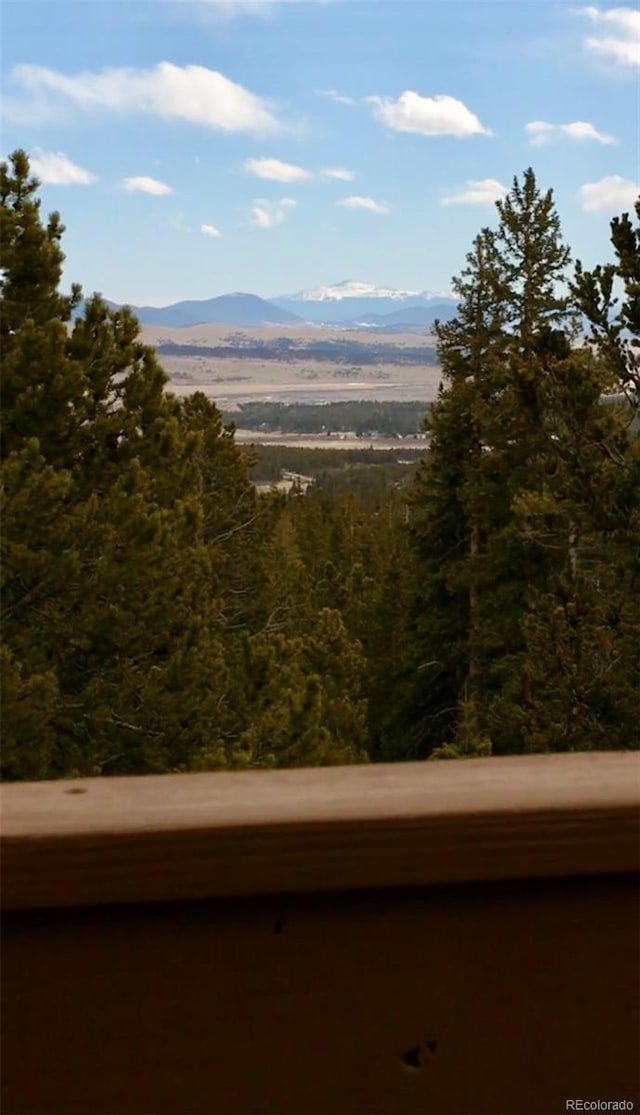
352,302
227,309
347,305
410,315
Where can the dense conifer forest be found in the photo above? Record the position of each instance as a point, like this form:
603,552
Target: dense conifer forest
363,417
159,613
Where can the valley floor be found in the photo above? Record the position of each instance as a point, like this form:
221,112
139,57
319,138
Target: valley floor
229,383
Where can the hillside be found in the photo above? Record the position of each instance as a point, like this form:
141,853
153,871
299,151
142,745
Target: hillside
228,309
359,307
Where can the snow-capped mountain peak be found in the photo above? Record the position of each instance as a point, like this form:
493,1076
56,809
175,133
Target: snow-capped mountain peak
351,288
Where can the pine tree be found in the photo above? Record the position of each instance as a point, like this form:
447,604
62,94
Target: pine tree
583,631
303,697
616,334
140,571
31,255
112,625
447,529
580,677
34,320
473,570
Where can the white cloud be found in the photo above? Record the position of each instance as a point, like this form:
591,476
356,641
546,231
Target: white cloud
146,185
267,214
210,230
580,130
627,19
364,203
623,44
338,173
628,53
276,171
612,194
55,169
332,95
193,94
429,116
478,191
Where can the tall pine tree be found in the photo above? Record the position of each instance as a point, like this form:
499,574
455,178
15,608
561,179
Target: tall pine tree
111,622
474,569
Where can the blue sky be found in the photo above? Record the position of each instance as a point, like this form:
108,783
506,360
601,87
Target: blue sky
197,148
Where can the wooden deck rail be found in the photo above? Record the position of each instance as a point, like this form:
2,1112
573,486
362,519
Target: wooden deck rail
426,937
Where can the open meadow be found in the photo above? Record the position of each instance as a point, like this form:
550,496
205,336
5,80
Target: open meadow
297,375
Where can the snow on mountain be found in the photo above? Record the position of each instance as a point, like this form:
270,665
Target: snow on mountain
351,301
351,288
349,304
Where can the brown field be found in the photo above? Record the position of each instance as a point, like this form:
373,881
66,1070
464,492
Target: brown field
217,334
241,379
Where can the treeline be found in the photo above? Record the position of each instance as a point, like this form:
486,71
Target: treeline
158,614
362,353
153,614
364,417
268,462
376,488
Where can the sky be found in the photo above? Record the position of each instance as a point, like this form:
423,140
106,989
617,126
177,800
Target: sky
198,148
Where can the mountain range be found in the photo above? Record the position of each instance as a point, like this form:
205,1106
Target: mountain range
354,303
347,305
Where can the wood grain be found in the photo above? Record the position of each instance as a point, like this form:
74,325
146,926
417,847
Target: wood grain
174,837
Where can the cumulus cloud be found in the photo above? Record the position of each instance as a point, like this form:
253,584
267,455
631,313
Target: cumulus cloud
477,191
623,42
338,173
429,116
338,98
580,130
364,203
53,168
146,185
267,214
612,194
276,171
210,230
193,94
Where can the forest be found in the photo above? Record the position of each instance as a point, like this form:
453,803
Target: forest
286,348
363,417
160,614
361,467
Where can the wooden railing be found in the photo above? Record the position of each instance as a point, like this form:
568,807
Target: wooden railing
428,937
